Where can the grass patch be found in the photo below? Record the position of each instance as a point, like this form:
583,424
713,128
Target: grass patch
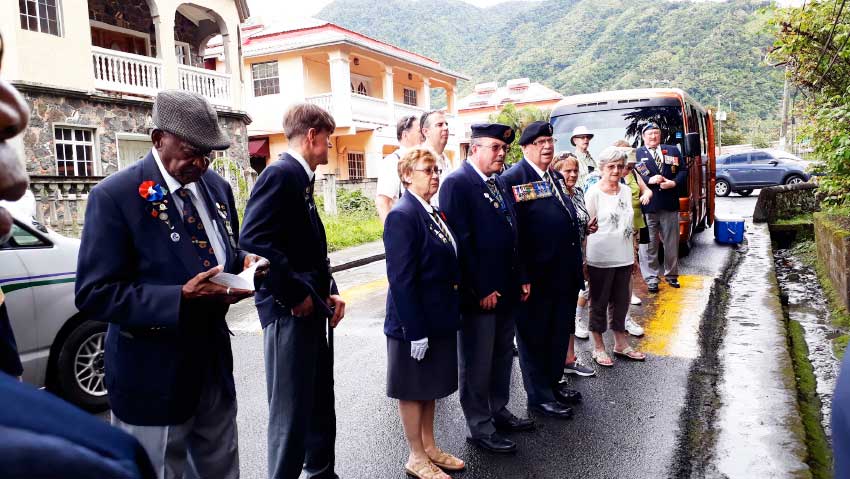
839,345
802,219
820,453
351,229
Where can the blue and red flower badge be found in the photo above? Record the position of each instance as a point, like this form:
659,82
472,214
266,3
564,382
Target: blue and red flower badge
157,205
152,191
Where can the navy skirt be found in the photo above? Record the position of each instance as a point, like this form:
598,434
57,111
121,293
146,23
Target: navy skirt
432,378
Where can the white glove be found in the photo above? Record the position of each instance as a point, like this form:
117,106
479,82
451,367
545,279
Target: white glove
418,348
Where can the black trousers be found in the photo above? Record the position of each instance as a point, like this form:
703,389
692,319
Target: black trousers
485,359
299,382
543,328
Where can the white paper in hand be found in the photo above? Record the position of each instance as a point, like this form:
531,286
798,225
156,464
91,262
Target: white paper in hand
243,280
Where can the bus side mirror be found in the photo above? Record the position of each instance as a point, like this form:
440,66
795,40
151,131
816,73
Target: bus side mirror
692,144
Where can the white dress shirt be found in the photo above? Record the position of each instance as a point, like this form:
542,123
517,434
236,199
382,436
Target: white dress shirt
303,162
538,170
216,241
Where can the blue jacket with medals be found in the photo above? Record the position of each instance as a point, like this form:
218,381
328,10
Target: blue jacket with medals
487,237
282,225
424,275
548,231
672,168
134,259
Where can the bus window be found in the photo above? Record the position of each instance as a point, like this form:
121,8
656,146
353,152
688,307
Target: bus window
609,126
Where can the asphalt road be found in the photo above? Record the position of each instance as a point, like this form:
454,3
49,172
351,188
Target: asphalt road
626,427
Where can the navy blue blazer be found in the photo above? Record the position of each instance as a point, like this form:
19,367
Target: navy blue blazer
44,436
663,200
282,225
548,234
424,275
10,361
160,348
488,244
841,421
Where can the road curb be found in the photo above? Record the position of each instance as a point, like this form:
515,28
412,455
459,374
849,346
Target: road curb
358,262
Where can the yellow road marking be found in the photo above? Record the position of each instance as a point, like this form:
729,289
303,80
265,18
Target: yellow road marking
672,327
362,290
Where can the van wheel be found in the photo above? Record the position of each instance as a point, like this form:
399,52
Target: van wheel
794,180
722,188
745,192
79,367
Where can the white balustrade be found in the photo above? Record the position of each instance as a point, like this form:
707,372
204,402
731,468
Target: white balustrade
402,110
367,108
126,72
211,84
325,100
61,201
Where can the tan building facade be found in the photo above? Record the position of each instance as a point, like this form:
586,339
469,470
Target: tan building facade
90,70
367,85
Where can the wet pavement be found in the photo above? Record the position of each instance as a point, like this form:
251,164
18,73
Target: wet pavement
628,426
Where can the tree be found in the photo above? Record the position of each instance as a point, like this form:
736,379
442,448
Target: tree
813,43
518,120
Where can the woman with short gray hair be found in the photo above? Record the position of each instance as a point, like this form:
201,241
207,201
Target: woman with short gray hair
610,256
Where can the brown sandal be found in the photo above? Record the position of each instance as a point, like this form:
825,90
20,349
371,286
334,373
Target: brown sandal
631,353
425,470
446,461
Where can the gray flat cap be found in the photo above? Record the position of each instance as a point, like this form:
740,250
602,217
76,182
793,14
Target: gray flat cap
191,117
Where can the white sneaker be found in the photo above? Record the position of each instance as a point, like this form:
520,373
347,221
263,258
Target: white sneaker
581,329
633,328
635,300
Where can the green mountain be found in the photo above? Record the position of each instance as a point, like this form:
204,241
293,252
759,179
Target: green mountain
583,46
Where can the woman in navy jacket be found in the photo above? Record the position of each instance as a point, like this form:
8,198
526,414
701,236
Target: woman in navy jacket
423,314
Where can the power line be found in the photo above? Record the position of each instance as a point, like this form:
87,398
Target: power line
829,39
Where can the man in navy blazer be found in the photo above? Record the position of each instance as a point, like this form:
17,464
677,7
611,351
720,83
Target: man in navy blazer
663,170
155,234
297,299
550,249
481,214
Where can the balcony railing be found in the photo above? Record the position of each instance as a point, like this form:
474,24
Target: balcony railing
213,85
325,100
367,108
126,72
61,201
402,110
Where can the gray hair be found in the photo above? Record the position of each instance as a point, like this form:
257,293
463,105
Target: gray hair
611,154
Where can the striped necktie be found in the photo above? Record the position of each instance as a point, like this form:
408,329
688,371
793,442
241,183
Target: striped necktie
658,162
494,190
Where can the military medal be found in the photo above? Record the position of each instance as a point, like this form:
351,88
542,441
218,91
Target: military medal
642,168
531,191
175,237
163,216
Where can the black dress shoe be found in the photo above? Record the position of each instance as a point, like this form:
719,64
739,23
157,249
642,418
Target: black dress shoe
511,423
652,287
565,395
494,443
674,283
553,409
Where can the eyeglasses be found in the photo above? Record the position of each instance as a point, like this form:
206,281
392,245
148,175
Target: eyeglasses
581,137
494,148
430,170
544,142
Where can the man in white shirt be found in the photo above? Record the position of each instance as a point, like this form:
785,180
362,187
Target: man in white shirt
435,135
389,185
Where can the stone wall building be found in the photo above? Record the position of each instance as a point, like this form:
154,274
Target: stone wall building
90,71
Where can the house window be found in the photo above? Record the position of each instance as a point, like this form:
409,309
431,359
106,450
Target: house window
40,16
356,166
360,85
74,151
183,52
266,81
410,96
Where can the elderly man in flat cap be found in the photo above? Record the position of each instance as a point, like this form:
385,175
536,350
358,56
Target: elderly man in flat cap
662,169
551,250
155,236
480,212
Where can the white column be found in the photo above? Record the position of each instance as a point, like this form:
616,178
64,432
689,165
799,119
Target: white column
389,94
164,26
233,62
426,94
340,87
451,99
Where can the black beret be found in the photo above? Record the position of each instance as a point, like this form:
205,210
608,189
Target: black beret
649,126
534,131
493,130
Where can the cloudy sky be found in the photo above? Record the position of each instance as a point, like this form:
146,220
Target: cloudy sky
269,9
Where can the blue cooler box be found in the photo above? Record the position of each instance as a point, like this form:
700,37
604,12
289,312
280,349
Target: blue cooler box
729,229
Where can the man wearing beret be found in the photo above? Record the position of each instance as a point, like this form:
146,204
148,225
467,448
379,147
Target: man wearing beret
551,252
480,212
155,235
663,170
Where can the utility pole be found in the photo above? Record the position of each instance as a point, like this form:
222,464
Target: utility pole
719,127
783,129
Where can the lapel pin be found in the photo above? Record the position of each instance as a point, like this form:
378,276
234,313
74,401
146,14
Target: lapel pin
175,237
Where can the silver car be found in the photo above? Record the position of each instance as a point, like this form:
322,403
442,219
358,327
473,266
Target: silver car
59,349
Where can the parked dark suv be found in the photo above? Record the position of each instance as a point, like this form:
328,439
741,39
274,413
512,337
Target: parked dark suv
745,171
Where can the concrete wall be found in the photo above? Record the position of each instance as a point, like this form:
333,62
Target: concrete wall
786,201
833,248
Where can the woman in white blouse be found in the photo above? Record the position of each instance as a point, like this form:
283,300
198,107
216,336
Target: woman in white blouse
610,257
